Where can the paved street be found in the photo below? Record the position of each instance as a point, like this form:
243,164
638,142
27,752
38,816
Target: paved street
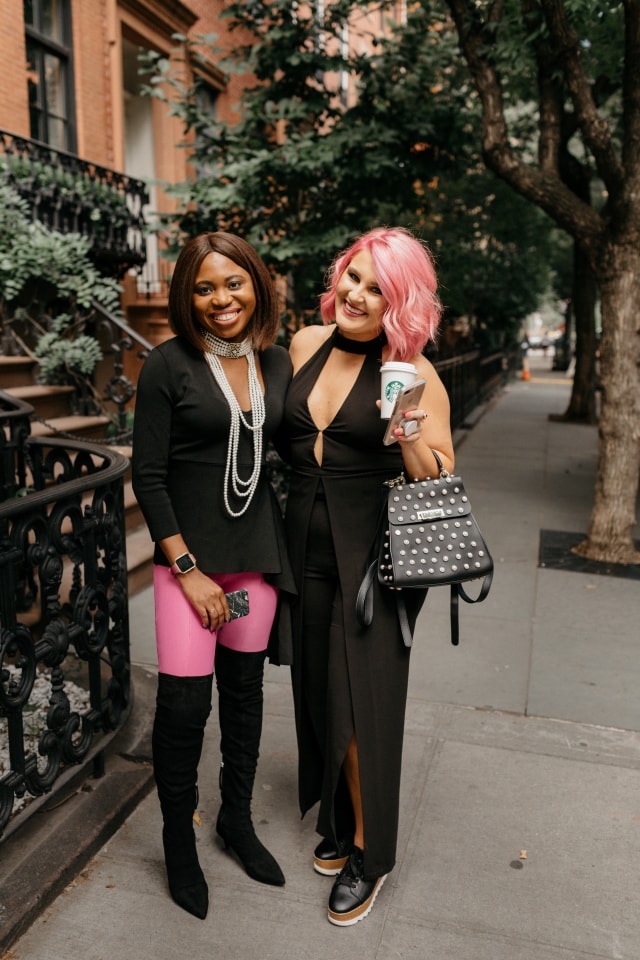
520,818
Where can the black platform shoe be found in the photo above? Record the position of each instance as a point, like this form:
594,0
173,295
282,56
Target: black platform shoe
329,857
352,897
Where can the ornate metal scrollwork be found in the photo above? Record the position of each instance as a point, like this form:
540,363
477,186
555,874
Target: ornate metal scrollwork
16,645
91,614
74,195
64,640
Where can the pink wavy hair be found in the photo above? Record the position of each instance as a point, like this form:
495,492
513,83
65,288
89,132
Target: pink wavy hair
406,276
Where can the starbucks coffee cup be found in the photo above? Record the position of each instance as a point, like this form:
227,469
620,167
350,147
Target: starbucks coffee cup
393,377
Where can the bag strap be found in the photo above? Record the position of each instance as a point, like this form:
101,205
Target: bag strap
436,457
457,590
407,636
364,600
486,585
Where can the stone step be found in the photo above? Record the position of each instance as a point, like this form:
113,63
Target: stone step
84,428
47,401
16,371
132,512
139,559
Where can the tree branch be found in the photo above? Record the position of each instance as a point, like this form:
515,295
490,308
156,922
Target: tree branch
543,187
594,128
550,92
631,93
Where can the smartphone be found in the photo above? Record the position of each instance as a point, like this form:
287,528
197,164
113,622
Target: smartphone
408,399
238,602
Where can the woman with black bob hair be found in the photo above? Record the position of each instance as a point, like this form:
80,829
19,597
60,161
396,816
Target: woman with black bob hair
208,402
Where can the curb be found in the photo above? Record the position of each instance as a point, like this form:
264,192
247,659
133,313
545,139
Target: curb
40,859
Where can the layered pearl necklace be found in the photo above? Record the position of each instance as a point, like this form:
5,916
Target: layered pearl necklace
243,489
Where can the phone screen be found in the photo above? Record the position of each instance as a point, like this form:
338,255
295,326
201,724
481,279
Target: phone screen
408,398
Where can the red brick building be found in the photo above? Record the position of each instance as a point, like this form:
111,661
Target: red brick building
70,81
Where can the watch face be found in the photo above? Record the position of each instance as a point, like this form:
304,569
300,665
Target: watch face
185,563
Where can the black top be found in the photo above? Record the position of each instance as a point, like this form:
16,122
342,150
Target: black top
181,431
362,687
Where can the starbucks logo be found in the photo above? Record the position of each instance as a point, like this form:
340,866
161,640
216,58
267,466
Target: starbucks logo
392,390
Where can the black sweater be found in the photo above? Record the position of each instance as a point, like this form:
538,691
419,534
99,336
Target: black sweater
181,430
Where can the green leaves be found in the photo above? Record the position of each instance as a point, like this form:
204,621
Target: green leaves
306,168
45,274
56,354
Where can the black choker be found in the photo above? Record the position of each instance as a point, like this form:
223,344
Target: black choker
372,348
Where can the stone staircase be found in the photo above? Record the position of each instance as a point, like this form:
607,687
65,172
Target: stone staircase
51,415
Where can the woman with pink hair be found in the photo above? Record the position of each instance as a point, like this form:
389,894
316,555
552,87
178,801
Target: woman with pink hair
350,681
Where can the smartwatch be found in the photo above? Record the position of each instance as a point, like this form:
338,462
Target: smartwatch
183,564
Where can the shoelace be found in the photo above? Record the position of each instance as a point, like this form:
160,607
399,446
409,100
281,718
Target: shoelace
352,870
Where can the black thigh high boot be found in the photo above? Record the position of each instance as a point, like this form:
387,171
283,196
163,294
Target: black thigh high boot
239,680
182,707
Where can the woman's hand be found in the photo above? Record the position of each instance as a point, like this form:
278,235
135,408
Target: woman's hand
410,430
206,597
427,428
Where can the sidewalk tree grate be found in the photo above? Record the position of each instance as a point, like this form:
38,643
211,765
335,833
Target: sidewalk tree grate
556,553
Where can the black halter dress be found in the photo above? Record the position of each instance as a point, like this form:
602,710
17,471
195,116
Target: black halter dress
354,679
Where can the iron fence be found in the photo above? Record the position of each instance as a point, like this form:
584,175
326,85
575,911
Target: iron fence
470,379
64,625
76,196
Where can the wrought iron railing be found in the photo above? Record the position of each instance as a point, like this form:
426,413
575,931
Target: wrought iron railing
113,384
74,195
64,625
470,379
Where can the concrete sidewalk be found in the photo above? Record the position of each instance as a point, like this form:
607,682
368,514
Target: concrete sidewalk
520,818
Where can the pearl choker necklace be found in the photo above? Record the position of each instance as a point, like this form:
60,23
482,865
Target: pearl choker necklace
243,489
227,348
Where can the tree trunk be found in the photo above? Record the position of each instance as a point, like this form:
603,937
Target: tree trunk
610,534
582,405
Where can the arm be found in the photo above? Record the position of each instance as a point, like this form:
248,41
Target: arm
203,594
434,432
150,466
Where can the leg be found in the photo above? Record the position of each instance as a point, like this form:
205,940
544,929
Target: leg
352,776
183,704
239,676
352,896
321,607
331,854
182,707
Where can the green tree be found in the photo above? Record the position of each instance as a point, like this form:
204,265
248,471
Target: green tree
494,250
586,54
300,173
47,286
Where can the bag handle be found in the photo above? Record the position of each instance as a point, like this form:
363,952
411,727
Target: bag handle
364,600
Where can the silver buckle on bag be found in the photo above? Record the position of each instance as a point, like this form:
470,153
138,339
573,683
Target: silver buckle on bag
397,482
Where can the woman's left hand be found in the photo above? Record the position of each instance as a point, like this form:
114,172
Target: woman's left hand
409,431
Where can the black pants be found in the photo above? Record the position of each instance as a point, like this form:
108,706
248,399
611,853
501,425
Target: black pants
322,608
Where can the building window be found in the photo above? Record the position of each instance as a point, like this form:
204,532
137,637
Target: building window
50,72
207,100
